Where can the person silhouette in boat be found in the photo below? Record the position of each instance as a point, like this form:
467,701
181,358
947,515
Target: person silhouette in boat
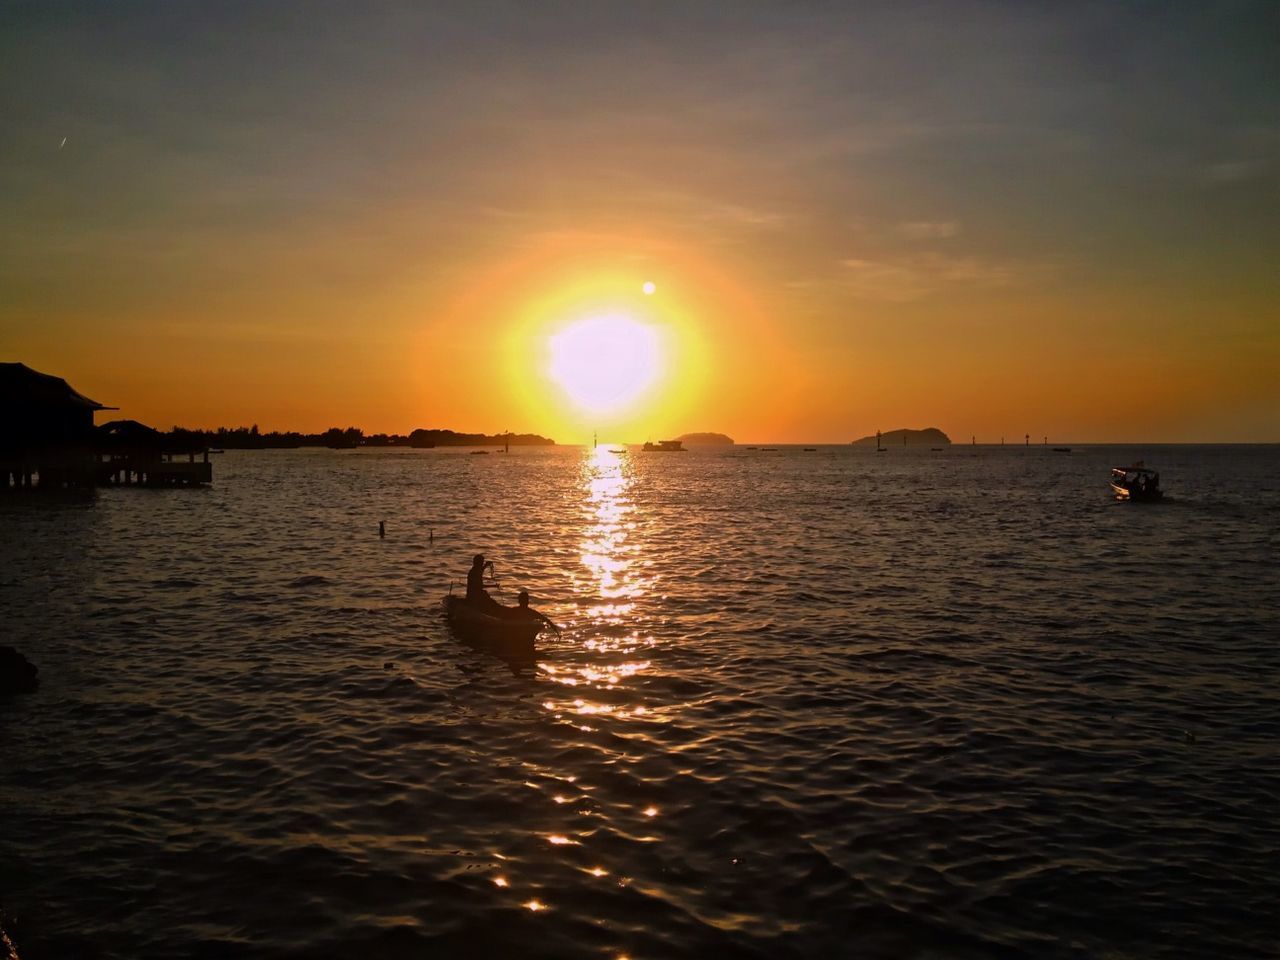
525,611
476,593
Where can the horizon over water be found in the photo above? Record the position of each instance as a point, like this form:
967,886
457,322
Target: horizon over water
919,704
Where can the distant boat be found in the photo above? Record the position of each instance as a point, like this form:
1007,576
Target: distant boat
810,449
665,446
1136,484
618,450
1061,449
753,448
766,449
479,453
936,449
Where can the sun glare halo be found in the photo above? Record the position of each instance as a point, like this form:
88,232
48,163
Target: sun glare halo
605,363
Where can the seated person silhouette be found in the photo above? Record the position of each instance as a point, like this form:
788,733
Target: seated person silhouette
524,611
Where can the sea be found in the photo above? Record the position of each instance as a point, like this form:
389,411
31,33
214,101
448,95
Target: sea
955,703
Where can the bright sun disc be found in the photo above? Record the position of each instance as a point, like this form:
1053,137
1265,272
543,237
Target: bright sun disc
605,363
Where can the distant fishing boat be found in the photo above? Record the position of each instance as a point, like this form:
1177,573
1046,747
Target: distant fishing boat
1061,449
665,446
1136,484
810,449
479,453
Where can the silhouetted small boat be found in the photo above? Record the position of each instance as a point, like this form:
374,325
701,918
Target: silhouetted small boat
504,630
1136,483
479,453
665,446
618,451
810,449
1061,449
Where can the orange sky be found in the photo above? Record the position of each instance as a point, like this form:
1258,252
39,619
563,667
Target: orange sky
994,222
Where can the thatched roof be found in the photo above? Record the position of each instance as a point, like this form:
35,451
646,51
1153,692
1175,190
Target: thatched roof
20,386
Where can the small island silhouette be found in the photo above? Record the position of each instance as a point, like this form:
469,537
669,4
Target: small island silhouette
929,436
704,439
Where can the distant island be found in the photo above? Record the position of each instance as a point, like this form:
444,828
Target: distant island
705,438
929,436
250,438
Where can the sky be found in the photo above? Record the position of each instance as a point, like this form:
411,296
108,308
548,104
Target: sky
992,218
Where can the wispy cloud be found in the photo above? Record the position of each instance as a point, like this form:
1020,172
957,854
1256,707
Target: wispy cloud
737,215
914,277
1234,171
928,229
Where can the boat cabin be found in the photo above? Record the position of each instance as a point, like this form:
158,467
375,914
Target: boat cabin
1135,483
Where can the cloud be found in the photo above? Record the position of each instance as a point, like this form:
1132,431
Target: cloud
735,214
903,279
1234,171
928,229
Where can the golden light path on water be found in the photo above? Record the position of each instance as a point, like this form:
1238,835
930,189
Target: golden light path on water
610,585
590,687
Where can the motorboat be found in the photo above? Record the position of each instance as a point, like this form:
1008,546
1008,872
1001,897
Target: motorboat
508,631
1136,483
665,446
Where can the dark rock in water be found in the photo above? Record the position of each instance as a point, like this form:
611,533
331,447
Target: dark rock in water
17,673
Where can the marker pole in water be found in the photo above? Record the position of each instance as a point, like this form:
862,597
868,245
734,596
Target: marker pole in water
382,528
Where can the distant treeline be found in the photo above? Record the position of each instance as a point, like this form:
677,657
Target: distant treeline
250,438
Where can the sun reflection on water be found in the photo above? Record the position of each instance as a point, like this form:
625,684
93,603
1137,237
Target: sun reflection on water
591,686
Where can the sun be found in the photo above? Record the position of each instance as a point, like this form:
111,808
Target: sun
605,364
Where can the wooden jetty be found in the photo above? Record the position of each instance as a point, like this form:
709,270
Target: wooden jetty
131,453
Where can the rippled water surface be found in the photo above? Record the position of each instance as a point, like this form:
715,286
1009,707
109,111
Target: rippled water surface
921,704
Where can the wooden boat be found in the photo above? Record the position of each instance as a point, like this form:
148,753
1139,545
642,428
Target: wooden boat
1136,483
506,631
665,446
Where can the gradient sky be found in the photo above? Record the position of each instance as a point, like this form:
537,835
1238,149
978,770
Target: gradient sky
1054,218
